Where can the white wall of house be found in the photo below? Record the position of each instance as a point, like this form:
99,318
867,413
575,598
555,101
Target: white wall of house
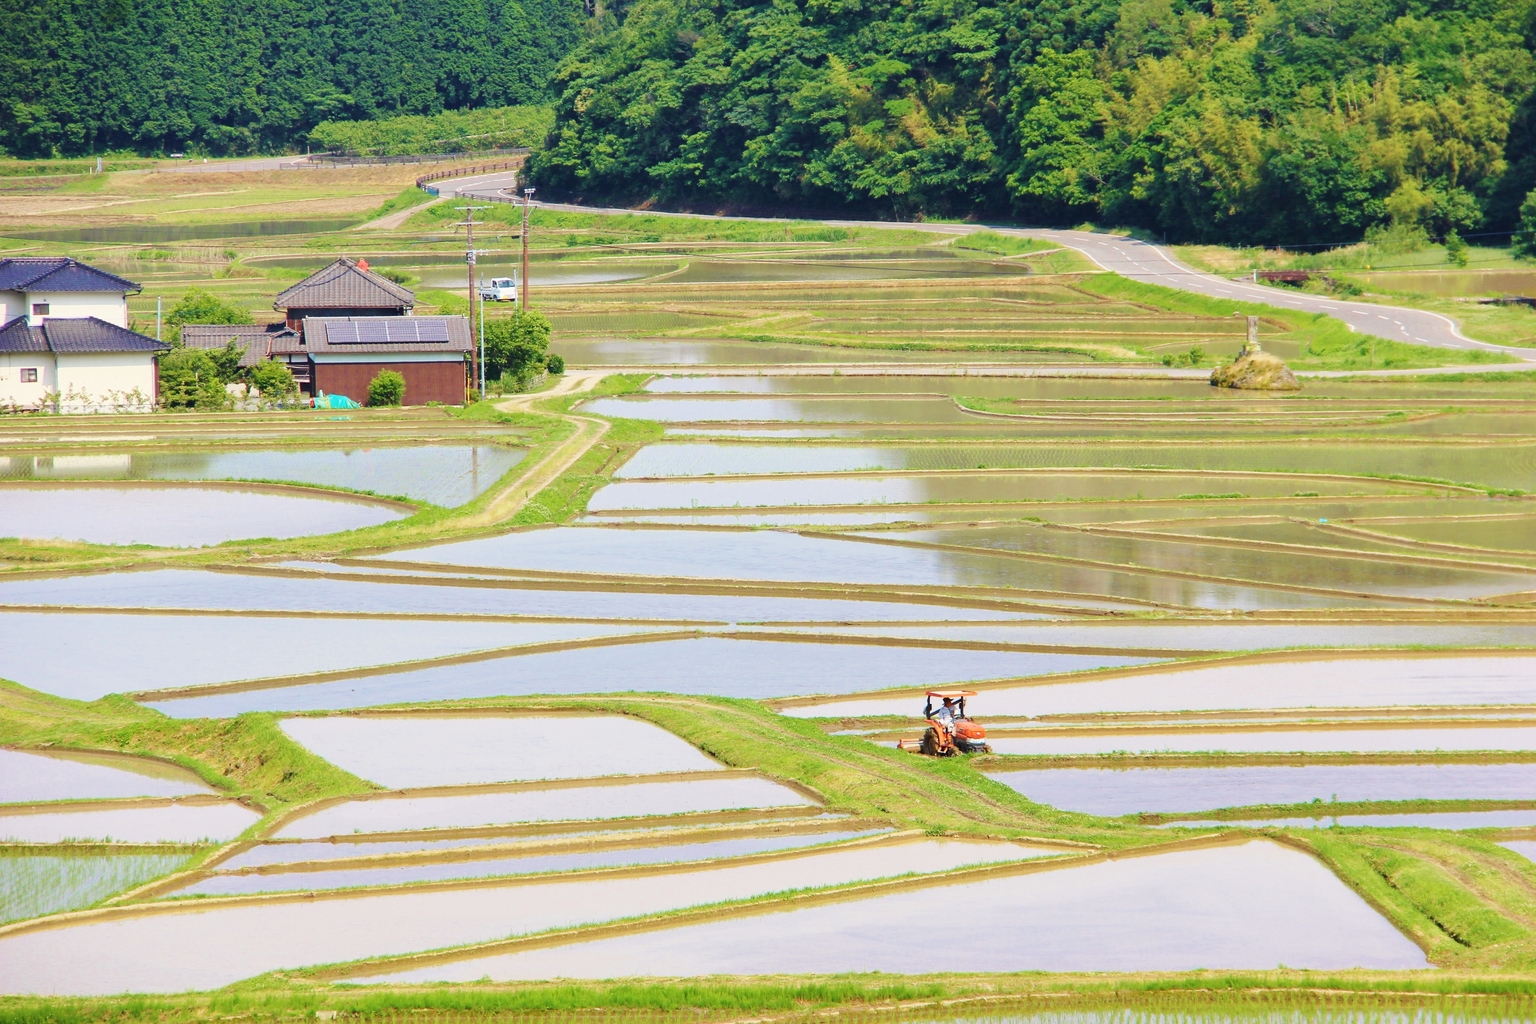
16,393
109,306
106,382
11,306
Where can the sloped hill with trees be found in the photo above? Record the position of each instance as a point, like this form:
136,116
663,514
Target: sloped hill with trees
243,76
1272,121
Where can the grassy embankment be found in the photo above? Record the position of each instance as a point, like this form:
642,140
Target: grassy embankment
1371,273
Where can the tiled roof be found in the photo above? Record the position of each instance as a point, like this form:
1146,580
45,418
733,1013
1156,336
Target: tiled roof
88,334
16,336
386,334
261,341
57,274
345,285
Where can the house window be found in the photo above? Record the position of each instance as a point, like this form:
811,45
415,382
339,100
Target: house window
39,309
29,375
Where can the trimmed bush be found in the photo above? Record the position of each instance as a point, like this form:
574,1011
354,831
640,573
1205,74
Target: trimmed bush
388,388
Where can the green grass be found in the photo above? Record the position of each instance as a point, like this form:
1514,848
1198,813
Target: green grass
34,882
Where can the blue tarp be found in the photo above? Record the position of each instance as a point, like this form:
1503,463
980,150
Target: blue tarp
335,402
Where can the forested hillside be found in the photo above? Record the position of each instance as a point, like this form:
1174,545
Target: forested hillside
239,76
1277,121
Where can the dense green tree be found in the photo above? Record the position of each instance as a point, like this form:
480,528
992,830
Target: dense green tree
190,379
1287,121
237,76
1525,234
515,347
275,381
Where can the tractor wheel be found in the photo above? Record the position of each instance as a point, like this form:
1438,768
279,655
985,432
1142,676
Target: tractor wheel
930,744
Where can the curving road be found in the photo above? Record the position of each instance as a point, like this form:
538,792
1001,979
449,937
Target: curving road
1140,261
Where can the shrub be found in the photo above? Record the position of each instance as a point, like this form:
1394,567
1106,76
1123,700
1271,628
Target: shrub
515,346
190,379
200,307
555,364
275,381
388,388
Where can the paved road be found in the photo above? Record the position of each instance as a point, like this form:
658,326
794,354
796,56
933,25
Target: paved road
1139,261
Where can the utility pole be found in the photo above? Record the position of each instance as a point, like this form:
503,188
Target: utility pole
468,224
158,300
522,296
482,338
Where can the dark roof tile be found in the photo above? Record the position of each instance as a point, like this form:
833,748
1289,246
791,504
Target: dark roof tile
58,274
259,339
16,336
89,334
345,285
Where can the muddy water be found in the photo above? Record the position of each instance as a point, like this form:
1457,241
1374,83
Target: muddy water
1353,682
178,823
177,588
820,410
1111,792
562,804
1511,737
1244,907
208,948
26,778
85,656
176,517
442,474
290,881
727,668
423,751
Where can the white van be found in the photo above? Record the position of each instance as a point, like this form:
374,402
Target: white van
501,289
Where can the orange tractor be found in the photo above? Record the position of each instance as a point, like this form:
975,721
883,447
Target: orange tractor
949,730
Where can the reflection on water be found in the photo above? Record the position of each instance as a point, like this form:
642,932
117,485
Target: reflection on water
1111,792
176,517
427,751
446,475
584,352
28,777
1317,741
1256,906
178,823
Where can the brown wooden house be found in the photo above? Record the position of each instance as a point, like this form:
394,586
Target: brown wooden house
342,325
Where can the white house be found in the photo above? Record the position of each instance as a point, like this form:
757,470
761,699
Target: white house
65,343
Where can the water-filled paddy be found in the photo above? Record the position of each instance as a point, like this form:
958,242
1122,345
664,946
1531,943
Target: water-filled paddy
33,884
1111,792
1299,740
676,853
31,777
184,589
565,803
821,410
201,948
177,516
1418,819
706,351
442,474
1515,533
766,555
1303,682
1505,465
88,655
420,750
710,665
1253,906
176,823
979,488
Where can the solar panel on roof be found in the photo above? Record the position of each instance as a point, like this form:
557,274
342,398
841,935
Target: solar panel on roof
388,331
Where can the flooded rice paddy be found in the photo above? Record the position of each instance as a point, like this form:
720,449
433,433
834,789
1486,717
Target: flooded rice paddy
84,656
34,883
707,665
1301,682
190,947
1253,906
441,474
1300,739
224,884
1111,792
564,803
27,777
177,517
421,750
173,823
1448,820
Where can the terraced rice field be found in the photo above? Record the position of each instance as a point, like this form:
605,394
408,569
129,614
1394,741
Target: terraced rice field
612,684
